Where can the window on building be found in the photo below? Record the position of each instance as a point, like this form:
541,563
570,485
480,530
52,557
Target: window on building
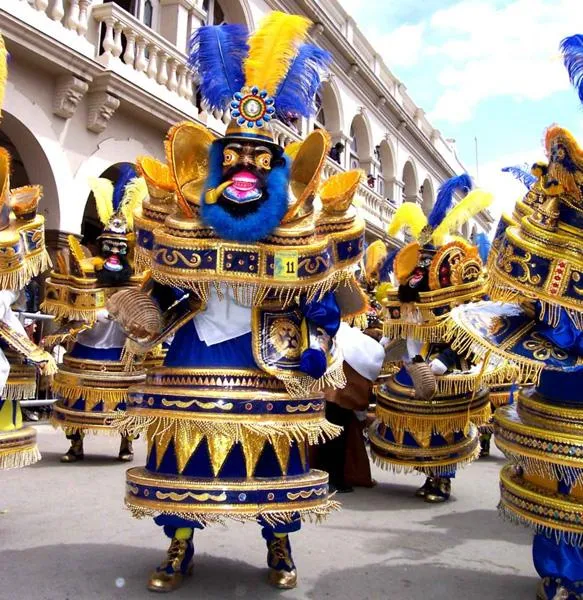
148,13
130,6
214,12
320,118
354,160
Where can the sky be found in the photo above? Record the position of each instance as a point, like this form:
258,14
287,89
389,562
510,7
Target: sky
485,69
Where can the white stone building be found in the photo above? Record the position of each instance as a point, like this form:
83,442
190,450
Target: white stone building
95,83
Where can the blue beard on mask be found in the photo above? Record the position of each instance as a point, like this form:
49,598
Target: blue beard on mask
256,225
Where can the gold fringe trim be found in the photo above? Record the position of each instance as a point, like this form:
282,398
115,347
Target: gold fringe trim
18,458
18,391
423,426
33,266
432,331
142,259
313,433
437,470
512,366
358,321
69,429
302,385
570,537
547,470
316,514
257,293
499,399
62,311
110,398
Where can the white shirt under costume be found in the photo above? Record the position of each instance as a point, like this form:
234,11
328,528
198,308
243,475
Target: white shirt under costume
364,354
7,315
105,334
223,319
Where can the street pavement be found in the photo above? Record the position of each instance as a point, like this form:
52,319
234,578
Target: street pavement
65,535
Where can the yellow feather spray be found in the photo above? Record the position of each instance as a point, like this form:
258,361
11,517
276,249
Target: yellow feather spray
272,48
409,215
292,149
374,254
3,71
474,203
136,192
102,189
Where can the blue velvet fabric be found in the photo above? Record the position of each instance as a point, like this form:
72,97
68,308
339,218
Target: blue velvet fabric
86,352
324,313
313,362
564,334
558,560
188,350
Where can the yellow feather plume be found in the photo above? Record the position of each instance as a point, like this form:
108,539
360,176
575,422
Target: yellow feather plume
474,203
3,71
292,149
272,48
374,254
135,193
102,189
409,215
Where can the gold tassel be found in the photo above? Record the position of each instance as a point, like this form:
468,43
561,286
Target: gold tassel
18,458
281,517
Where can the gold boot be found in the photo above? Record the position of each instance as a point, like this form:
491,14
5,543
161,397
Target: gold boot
75,452
170,574
440,491
282,570
126,450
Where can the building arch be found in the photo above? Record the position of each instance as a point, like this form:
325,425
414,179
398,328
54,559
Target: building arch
427,195
386,171
328,113
31,165
110,152
91,226
361,142
410,182
228,11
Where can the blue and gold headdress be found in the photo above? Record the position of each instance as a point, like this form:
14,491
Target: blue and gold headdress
270,74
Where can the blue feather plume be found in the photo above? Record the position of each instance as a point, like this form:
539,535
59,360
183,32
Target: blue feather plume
126,174
217,53
461,183
297,92
387,266
527,178
483,244
572,49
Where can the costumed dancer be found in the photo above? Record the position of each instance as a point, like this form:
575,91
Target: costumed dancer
428,412
23,256
536,326
92,383
345,457
252,284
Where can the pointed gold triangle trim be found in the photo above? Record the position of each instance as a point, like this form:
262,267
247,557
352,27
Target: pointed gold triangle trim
161,440
282,447
186,441
303,448
219,448
253,445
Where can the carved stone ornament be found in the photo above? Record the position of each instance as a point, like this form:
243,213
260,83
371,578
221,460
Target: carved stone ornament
102,106
69,90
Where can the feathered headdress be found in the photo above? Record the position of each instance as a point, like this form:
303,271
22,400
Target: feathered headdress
572,49
443,219
270,74
116,202
528,179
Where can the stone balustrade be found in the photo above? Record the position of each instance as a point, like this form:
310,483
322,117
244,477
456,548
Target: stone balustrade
125,39
71,14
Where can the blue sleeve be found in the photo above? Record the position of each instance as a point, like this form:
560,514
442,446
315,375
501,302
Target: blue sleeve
564,334
324,313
